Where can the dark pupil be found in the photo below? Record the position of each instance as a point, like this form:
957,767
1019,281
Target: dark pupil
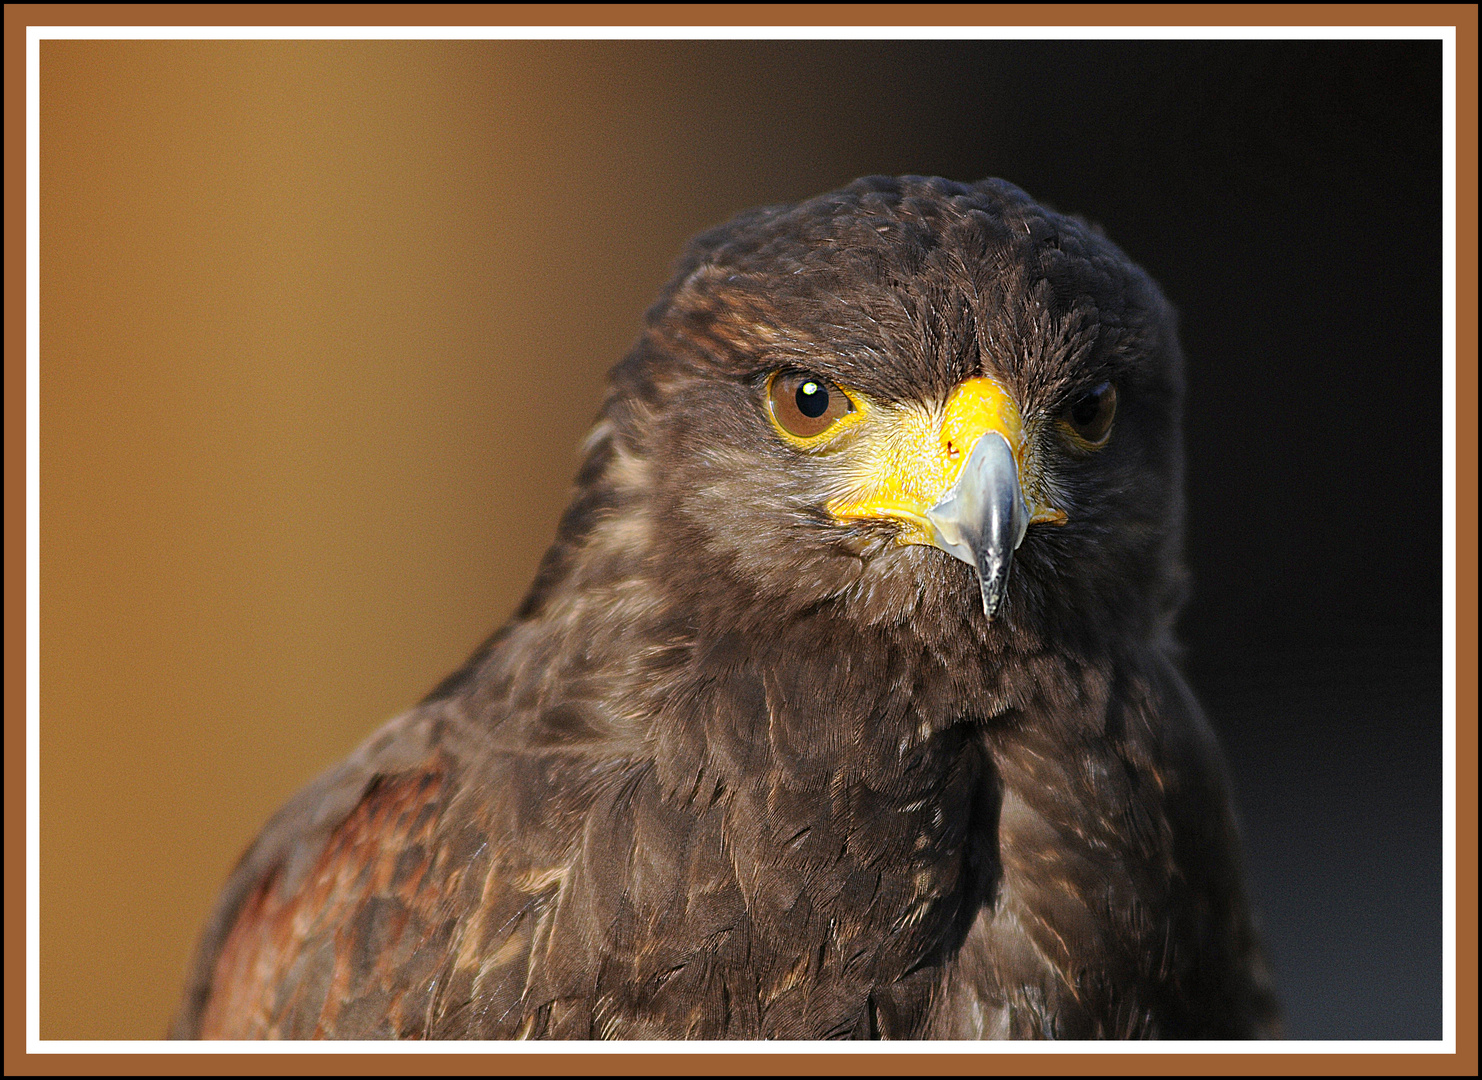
1084,412
812,399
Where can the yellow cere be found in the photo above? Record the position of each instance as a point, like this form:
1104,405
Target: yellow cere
914,454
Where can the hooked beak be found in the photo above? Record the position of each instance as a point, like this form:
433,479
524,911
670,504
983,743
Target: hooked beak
982,518
952,479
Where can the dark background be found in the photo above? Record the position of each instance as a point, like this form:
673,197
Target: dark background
322,324
1287,197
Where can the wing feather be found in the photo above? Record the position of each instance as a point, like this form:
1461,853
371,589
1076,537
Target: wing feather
383,902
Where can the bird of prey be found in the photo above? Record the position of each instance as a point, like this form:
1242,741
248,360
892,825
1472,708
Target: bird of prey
844,705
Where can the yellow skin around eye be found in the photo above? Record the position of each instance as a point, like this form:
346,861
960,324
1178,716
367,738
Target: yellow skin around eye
1081,444
899,460
829,434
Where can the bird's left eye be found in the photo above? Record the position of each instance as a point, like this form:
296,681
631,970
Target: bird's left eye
1089,416
806,405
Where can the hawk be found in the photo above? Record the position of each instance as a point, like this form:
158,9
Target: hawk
844,705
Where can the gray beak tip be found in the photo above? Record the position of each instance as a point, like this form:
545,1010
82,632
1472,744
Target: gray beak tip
982,517
994,588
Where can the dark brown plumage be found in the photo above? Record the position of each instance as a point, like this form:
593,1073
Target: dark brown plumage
746,765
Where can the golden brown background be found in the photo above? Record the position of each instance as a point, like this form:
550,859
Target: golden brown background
322,325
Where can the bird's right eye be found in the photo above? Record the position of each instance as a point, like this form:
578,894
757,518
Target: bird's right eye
805,405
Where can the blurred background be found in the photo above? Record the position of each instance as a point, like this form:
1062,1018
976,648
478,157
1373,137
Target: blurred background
323,324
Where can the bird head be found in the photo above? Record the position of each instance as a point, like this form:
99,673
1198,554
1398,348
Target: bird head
915,402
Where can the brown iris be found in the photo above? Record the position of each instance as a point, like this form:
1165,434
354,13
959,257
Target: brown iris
806,405
1089,416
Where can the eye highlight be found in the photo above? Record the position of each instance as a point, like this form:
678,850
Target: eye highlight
1088,418
805,405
